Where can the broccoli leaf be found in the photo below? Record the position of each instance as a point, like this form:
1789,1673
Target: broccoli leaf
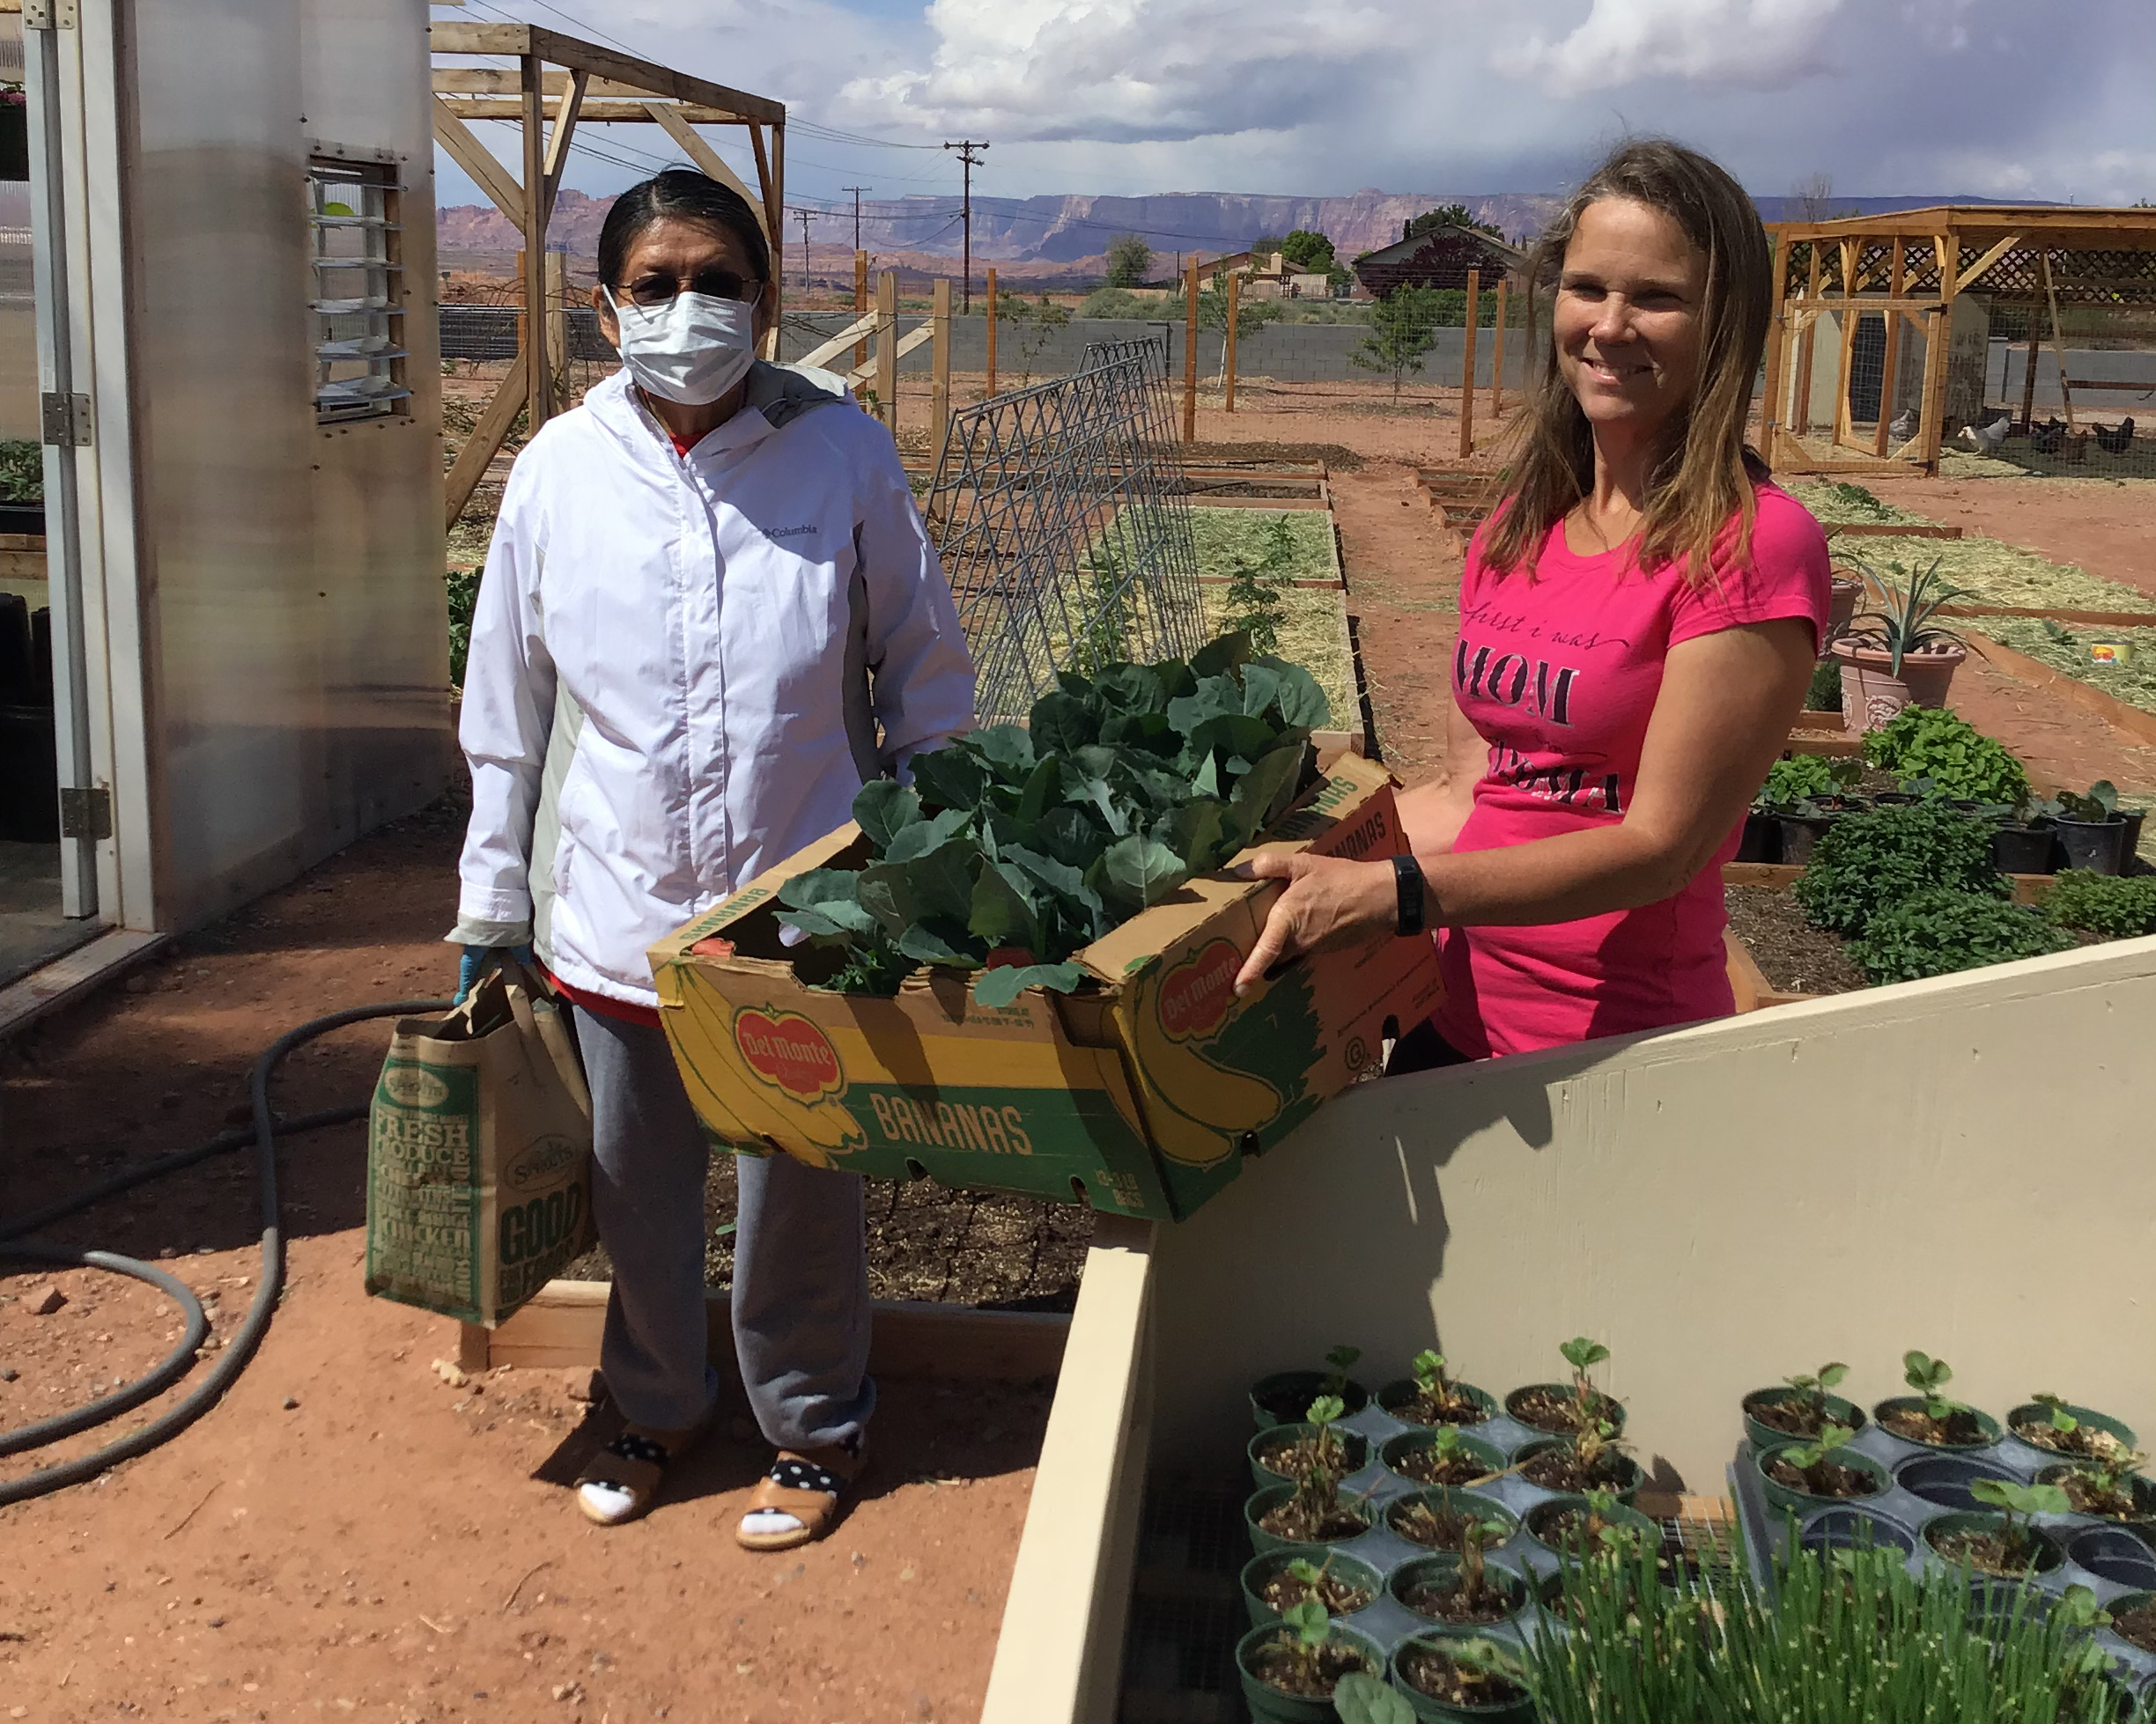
998,987
1004,910
1137,872
951,778
1302,703
1216,657
1063,724
884,807
935,941
1007,748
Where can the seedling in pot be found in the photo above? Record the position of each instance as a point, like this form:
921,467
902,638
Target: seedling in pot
1313,1513
1815,1388
1592,1460
1941,1420
1303,1581
1446,1459
2014,1546
1439,1398
1812,1469
1307,1659
1341,1358
1549,1408
2063,1434
1359,1697
2108,1486
1446,1527
1464,1673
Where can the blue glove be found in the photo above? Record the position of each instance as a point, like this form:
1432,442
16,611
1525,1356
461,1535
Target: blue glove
477,960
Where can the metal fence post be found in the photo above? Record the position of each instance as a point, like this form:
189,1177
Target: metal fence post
887,348
1228,352
994,317
1189,352
939,371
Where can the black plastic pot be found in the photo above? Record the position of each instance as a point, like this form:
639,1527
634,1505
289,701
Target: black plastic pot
29,775
2142,1490
2023,849
1284,1398
2113,1554
2098,845
1846,1529
1398,1396
1268,1706
2048,1554
1762,841
1355,1452
1800,833
1944,1480
2133,818
23,517
1763,1435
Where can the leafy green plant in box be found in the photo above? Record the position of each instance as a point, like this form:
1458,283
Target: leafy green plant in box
1960,760
1016,846
2116,906
1804,780
22,470
1865,862
1942,930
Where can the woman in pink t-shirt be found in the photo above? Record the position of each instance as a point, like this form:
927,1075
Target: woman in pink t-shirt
1639,619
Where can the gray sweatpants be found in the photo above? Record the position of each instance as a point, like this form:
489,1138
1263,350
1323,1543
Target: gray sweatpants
801,1260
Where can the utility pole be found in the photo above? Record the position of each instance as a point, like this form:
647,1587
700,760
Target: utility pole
804,214
965,148
857,191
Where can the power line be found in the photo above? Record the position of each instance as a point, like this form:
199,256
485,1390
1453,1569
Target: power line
965,148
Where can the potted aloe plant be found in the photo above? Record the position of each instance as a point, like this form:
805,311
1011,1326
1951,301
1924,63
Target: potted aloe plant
1278,1580
1429,1396
2003,1541
1819,1473
1800,1406
1564,1410
1929,1418
1896,653
1310,1510
1450,1678
1280,1398
1289,1667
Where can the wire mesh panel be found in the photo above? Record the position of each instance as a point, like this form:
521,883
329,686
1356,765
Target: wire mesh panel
1060,514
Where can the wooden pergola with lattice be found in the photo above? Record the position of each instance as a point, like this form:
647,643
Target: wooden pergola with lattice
1909,268
557,82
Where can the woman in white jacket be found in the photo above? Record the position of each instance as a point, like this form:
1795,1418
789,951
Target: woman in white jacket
710,613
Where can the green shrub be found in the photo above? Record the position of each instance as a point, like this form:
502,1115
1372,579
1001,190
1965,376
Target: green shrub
2116,906
463,585
1865,863
1941,929
1825,694
22,470
1960,760
1806,779
1115,302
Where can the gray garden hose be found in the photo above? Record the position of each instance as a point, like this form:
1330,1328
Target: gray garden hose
241,1348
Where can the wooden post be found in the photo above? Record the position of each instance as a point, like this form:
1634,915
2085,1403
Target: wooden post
1227,351
1843,423
1800,409
2028,380
1890,361
939,367
1189,352
995,316
777,218
2058,345
538,382
1946,254
1467,359
860,305
887,348
557,319
1504,286
1777,352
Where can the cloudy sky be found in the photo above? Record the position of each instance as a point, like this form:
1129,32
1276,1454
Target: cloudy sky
2051,99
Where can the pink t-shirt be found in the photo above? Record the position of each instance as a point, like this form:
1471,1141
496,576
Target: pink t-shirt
1559,670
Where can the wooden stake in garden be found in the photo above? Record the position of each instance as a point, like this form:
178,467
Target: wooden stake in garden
887,348
860,305
1467,363
938,373
1189,352
1504,285
994,316
1228,353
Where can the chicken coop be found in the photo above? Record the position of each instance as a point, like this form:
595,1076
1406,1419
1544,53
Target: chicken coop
2020,334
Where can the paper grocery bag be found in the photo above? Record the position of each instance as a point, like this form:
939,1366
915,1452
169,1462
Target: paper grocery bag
478,1155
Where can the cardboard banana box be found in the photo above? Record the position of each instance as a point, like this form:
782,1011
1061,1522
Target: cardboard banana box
1140,1095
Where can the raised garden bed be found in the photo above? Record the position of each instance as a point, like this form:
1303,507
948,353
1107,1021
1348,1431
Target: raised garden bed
1304,581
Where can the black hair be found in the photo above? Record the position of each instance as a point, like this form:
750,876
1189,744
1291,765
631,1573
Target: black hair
683,195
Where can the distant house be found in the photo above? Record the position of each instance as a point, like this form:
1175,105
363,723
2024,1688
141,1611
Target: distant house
1269,277
1439,257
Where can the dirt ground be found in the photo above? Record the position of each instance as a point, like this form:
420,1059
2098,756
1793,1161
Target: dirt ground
347,1534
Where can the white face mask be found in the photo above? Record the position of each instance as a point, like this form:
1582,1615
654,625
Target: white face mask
692,349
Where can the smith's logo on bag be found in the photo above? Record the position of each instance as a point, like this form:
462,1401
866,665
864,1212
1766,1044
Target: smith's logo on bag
410,1087
786,1050
548,1155
1196,994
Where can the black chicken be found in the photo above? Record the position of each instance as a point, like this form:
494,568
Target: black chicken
2046,439
2113,439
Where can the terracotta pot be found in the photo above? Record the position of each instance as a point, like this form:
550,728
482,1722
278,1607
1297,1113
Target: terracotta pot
1846,594
1871,695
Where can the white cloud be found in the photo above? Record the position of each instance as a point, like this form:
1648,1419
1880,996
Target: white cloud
1753,44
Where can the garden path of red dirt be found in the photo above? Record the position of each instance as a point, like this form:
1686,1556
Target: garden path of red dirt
345,1534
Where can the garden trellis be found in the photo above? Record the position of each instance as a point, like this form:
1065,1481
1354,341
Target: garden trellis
1060,514
2036,327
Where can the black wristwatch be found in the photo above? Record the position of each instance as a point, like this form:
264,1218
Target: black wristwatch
1407,878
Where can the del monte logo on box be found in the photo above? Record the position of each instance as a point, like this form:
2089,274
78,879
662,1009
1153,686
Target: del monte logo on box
1196,994
788,1051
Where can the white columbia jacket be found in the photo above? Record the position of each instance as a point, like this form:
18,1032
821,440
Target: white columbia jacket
681,669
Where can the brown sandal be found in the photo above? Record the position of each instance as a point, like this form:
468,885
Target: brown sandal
807,1487
619,1482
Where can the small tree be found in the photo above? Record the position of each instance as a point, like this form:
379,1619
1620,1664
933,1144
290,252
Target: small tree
1265,245
1034,324
1450,215
1403,328
1307,250
1129,258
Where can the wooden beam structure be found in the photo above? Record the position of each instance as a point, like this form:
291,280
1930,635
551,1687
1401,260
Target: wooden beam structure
567,81
1467,363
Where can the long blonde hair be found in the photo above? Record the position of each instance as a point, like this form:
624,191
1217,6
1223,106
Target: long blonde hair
1702,476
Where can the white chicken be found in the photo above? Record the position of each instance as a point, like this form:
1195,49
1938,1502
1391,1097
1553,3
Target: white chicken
1902,427
1985,439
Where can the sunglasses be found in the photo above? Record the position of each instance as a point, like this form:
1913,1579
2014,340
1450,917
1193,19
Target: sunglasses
657,290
